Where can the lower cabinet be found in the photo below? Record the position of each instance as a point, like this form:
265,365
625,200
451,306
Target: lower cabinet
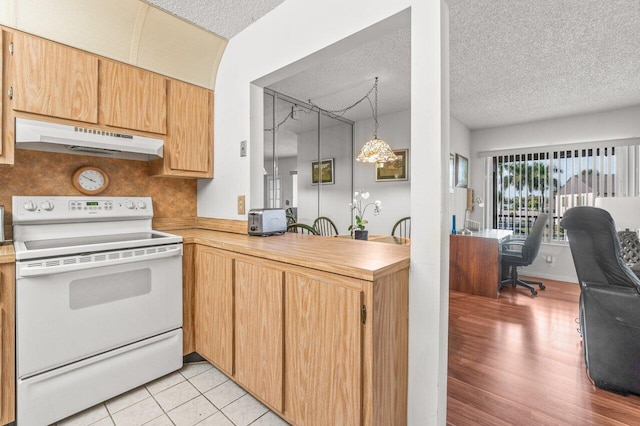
7,343
259,330
323,340
316,347
213,307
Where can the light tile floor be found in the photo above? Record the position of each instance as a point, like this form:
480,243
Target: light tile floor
197,394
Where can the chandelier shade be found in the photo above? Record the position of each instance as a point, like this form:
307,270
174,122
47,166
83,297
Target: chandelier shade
376,151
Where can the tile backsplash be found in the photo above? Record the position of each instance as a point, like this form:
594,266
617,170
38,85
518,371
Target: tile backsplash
46,173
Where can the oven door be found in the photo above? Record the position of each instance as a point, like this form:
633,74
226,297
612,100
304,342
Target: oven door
86,308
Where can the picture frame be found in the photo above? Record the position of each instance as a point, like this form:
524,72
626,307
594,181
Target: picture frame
452,172
394,170
323,172
462,171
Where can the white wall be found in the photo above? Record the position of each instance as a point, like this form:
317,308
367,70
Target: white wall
616,124
267,51
395,129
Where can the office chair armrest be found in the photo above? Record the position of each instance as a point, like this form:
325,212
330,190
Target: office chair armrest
512,247
620,302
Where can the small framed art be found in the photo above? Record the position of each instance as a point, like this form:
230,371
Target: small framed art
394,170
462,171
322,172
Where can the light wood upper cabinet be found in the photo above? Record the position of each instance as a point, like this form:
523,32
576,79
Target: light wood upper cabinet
132,98
259,329
2,48
214,307
188,146
53,80
323,340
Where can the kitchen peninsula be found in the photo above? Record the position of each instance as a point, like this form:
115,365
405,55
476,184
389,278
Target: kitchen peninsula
315,327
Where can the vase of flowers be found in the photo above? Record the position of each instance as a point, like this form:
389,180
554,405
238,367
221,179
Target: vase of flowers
359,207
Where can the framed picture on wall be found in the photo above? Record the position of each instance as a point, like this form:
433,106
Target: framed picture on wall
322,172
452,172
394,170
462,171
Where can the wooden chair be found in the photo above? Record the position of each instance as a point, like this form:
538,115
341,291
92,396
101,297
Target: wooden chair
290,216
402,228
325,226
301,228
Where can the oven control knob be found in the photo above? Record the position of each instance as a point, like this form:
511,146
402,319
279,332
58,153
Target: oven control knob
30,206
142,205
129,204
47,205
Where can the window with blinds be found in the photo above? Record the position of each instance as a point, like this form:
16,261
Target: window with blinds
557,178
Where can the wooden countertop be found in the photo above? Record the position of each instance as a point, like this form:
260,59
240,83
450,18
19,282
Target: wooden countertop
367,260
7,255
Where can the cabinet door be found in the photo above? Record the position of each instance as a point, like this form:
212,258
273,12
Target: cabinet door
258,330
7,343
188,297
214,307
132,98
189,140
323,340
54,80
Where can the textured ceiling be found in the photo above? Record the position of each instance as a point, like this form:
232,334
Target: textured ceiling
517,61
343,80
511,61
223,17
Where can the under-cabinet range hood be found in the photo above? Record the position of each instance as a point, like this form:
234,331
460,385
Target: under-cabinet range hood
53,137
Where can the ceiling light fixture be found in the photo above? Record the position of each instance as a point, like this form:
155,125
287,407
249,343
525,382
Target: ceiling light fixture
376,150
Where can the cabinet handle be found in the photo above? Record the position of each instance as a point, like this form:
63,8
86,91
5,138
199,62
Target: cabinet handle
11,48
10,92
363,314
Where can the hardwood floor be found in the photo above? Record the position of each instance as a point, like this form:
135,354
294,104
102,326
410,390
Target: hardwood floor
518,360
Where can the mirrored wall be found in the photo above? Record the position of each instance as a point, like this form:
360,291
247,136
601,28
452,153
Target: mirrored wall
308,161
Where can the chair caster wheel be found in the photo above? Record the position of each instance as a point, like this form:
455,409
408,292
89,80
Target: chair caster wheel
535,293
542,287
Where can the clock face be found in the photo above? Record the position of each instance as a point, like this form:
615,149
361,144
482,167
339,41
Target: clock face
90,180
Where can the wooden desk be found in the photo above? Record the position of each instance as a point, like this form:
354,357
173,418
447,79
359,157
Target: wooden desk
474,262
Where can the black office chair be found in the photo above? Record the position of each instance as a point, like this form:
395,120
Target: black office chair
402,228
609,300
517,252
301,228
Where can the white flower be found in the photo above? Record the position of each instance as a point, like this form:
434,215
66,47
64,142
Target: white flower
364,195
378,203
355,194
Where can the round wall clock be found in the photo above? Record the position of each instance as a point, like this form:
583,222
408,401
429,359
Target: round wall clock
90,180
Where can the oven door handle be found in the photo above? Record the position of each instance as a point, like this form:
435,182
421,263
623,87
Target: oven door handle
31,268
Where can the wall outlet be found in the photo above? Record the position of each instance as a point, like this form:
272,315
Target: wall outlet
241,204
243,148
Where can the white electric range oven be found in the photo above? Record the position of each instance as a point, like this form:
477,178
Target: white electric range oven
98,302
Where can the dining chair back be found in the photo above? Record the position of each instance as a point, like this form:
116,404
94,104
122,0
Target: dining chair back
402,228
301,228
325,226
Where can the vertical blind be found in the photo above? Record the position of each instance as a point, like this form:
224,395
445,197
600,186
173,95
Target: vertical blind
554,179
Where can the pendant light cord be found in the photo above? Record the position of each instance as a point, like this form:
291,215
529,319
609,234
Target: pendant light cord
338,112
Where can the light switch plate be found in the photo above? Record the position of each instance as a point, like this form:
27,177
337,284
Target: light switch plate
243,148
240,204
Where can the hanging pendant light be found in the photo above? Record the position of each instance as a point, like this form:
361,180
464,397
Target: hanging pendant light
376,150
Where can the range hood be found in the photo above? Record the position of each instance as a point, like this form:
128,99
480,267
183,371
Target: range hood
52,137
